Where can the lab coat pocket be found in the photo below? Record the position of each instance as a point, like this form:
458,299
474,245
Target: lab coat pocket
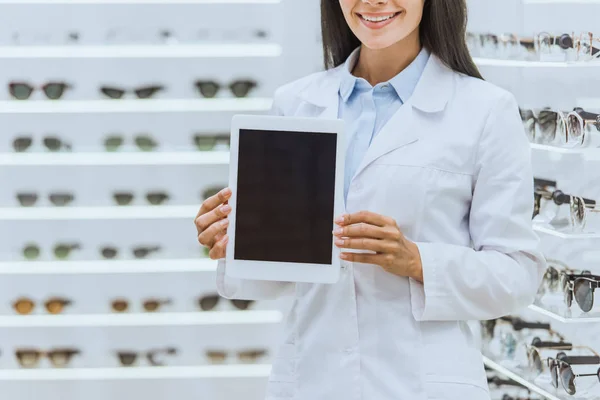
283,379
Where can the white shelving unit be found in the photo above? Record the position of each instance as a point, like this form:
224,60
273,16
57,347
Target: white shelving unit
107,267
568,236
114,159
249,317
97,213
259,371
583,319
221,50
249,104
492,62
589,153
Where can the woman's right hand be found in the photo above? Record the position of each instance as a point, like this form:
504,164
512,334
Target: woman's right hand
211,222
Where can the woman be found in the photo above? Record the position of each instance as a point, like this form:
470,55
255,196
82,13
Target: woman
439,194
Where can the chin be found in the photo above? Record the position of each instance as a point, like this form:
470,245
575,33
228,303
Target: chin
377,43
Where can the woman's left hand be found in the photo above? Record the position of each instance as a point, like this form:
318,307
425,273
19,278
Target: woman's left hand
366,230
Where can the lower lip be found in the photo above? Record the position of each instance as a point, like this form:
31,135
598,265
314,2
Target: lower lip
378,25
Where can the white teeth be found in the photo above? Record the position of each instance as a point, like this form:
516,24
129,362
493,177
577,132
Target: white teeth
377,19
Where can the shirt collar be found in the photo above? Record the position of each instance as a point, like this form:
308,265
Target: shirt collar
404,83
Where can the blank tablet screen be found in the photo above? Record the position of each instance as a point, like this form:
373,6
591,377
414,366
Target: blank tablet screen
285,196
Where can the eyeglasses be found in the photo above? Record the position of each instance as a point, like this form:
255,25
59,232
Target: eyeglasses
239,88
244,356
560,369
54,305
57,199
581,288
138,252
154,198
61,251
144,92
129,358
150,305
579,122
552,280
209,143
578,206
533,352
23,90
208,303
51,143
30,358
143,142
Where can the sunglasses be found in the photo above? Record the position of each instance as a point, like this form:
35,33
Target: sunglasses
208,303
54,305
245,356
51,143
239,88
208,143
129,358
61,251
534,358
560,370
580,122
143,142
580,287
138,252
546,125
552,280
144,92
57,199
154,198
23,90
150,305
30,358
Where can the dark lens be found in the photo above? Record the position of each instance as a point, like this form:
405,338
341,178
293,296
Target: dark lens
22,143
241,88
205,143
241,304
52,143
123,199
61,358
547,124
575,127
63,251
20,91
31,252
120,305
54,90
157,198
208,303
27,199
28,358
109,252
112,92
143,252
554,373
208,89
151,305
565,42
584,294
147,92
568,297
60,199
145,143
537,362
127,358
112,143
567,378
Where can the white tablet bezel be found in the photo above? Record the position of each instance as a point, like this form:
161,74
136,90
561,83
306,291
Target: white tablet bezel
284,271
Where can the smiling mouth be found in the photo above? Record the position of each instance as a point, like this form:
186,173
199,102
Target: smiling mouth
378,19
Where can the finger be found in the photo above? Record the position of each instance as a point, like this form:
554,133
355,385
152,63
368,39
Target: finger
214,201
365,230
364,216
218,250
362,258
208,237
206,220
376,245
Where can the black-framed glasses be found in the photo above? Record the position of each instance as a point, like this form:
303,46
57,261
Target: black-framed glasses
109,252
239,88
560,370
209,303
57,199
154,198
534,358
59,358
143,142
61,251
52,143
212,142
129,358
23,90
143,92
580,287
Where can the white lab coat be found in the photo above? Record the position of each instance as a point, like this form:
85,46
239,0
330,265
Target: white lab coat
452,167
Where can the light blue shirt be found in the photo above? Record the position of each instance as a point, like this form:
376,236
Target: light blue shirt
366,109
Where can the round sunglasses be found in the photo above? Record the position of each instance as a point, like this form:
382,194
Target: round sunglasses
561,371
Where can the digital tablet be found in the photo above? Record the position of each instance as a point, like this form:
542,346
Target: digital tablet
286,176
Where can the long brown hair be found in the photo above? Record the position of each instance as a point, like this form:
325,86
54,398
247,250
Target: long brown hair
442,32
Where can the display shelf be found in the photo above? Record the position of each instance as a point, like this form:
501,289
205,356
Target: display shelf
107,267
221,50
492,62
109,158
251,317
589,153
515,377
248,104
135,373
95,213
563,235
566,319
